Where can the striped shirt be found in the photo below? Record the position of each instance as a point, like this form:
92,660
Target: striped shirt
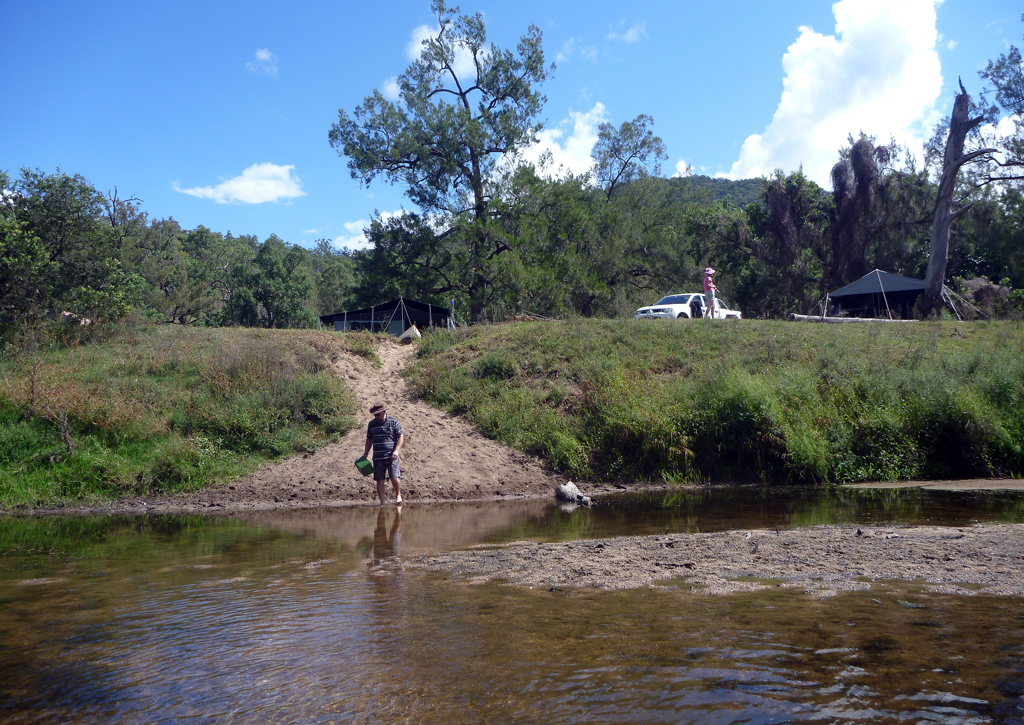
384,434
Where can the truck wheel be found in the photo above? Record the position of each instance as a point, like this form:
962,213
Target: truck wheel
682,316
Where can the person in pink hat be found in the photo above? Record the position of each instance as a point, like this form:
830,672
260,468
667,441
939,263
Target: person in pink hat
709,293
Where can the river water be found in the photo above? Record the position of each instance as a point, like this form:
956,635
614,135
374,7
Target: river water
311,616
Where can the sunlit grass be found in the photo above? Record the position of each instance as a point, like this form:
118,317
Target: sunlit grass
146,408
747,401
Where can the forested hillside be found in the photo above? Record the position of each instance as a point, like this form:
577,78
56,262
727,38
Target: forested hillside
740,193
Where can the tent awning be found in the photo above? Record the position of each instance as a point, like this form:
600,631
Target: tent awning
879,282
393,316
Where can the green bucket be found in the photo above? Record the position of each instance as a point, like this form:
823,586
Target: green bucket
364,466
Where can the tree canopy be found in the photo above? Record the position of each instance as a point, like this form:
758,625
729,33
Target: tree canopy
464,107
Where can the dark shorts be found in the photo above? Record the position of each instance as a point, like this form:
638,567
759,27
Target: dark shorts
386,468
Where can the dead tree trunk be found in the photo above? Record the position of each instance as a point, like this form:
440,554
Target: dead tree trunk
960,124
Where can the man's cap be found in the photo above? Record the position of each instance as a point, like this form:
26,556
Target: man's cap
708,270
378,408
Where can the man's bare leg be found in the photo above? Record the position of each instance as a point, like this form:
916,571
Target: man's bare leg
380,491
397,484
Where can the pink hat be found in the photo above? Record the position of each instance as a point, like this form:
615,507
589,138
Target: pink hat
708,270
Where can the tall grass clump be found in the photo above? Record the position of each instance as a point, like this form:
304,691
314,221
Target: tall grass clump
753,401
141,408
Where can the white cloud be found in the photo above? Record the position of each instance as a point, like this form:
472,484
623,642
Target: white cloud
266,63
569,149
575,47
257,184
951,45
312,231
879,74
356,237
635,32
464,66
996,135
682,169
391,90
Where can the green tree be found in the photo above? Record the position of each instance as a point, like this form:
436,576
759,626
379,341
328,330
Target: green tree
334,275
773,253
81,233
1005,82
23,258
271,287
281,284
880,203
445,137
581,252
180,269
627,154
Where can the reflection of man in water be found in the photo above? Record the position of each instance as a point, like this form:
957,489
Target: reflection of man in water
386,545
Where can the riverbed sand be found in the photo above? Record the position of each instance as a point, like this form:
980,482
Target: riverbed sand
820,561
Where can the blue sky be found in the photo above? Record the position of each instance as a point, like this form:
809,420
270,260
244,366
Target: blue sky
217,113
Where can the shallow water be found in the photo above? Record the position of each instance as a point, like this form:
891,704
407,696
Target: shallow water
311,617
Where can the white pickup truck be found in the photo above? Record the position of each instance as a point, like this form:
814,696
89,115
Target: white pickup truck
685,306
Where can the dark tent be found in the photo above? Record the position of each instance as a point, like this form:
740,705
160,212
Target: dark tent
395,317
877,294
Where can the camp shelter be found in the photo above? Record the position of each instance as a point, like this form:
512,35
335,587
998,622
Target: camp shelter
394,317
877,294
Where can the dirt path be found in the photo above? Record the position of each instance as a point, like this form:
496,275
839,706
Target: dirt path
444,457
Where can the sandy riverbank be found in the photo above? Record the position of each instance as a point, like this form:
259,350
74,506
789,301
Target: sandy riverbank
820,561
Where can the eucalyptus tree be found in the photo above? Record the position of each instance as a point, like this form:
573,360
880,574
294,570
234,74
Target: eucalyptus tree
973,150
334,274
955,155
464,107
627,154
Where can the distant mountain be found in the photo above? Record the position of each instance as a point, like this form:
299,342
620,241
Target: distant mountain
741,193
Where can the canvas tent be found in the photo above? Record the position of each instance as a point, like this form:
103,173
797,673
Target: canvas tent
394,317
877,294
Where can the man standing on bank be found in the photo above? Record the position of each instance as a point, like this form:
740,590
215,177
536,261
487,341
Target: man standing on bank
384,435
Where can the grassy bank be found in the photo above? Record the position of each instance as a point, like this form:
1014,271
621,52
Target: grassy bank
93,414
748,401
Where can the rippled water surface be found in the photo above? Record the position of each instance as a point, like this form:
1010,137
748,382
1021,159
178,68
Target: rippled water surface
313,617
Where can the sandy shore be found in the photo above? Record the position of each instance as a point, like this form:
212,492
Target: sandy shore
820,561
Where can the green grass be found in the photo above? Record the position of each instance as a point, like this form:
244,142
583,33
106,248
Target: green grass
749,401
147,409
